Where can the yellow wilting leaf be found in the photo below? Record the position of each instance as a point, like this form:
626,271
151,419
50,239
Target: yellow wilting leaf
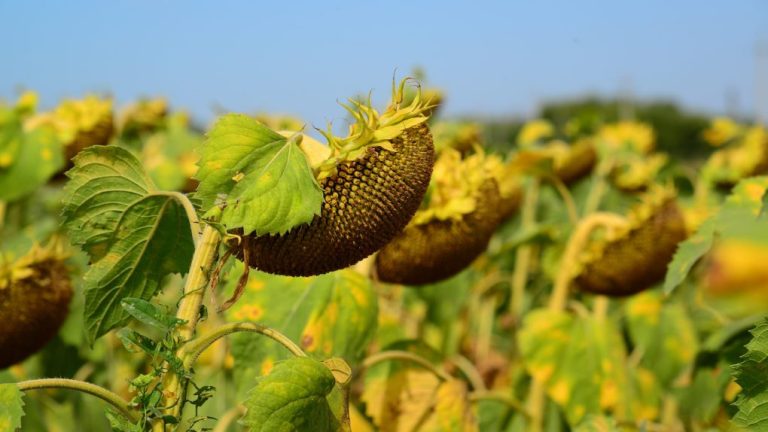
408,399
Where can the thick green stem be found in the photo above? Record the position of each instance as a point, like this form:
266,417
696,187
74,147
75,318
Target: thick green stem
404,356
192,350
189,311
81,386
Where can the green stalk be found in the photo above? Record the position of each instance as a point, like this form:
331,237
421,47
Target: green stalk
189,310
81,386
404,356
192,350
525,252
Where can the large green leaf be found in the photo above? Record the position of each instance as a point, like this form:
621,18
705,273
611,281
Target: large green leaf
738,219
263,178
34,157
292,398
332,315
751,375
134,234
11,407
664,333
580,361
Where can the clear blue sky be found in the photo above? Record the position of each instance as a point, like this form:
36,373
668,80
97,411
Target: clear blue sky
492,58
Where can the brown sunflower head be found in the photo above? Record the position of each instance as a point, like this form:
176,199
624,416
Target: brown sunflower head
34,302
451,231
635,258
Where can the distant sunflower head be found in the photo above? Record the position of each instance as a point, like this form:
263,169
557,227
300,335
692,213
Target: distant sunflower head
629,260
35,291
453,226
78,123
744,155
142,117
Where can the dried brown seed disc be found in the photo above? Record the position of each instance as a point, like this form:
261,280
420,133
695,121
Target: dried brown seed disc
365,204
436,250
32,310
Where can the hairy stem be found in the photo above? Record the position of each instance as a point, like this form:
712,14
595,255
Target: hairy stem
81,386
192,350
189,309
404,356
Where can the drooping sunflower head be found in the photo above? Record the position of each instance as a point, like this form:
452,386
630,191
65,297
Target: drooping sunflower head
628,260
143,116
453,226
373,182
461,136
35,291
745,155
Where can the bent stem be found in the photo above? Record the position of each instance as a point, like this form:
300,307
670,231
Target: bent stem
189,311
524,252
192,350
404,356
81,386
559,298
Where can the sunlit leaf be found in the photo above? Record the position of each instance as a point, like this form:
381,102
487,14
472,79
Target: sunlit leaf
332,315
738,219
751,374
263,178
664,333
38,156
292,398
11,407
580,360
134,234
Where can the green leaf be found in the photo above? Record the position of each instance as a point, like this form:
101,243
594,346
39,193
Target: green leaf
263,178
751,375
740,218
11,407
118,423
595,423
578,359
664,333
332,315
134,234
292,398
150,314
39,155
688,254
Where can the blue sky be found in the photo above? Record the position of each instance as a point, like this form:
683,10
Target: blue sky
491,58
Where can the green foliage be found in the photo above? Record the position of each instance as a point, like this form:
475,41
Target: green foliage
738,219
333,315
751,375
664,333
292,398
263,179
28,159
134,234
11,407
579,359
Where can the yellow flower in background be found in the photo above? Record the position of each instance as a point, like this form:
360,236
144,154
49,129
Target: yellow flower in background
629,135
534,131
74,116
720,131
